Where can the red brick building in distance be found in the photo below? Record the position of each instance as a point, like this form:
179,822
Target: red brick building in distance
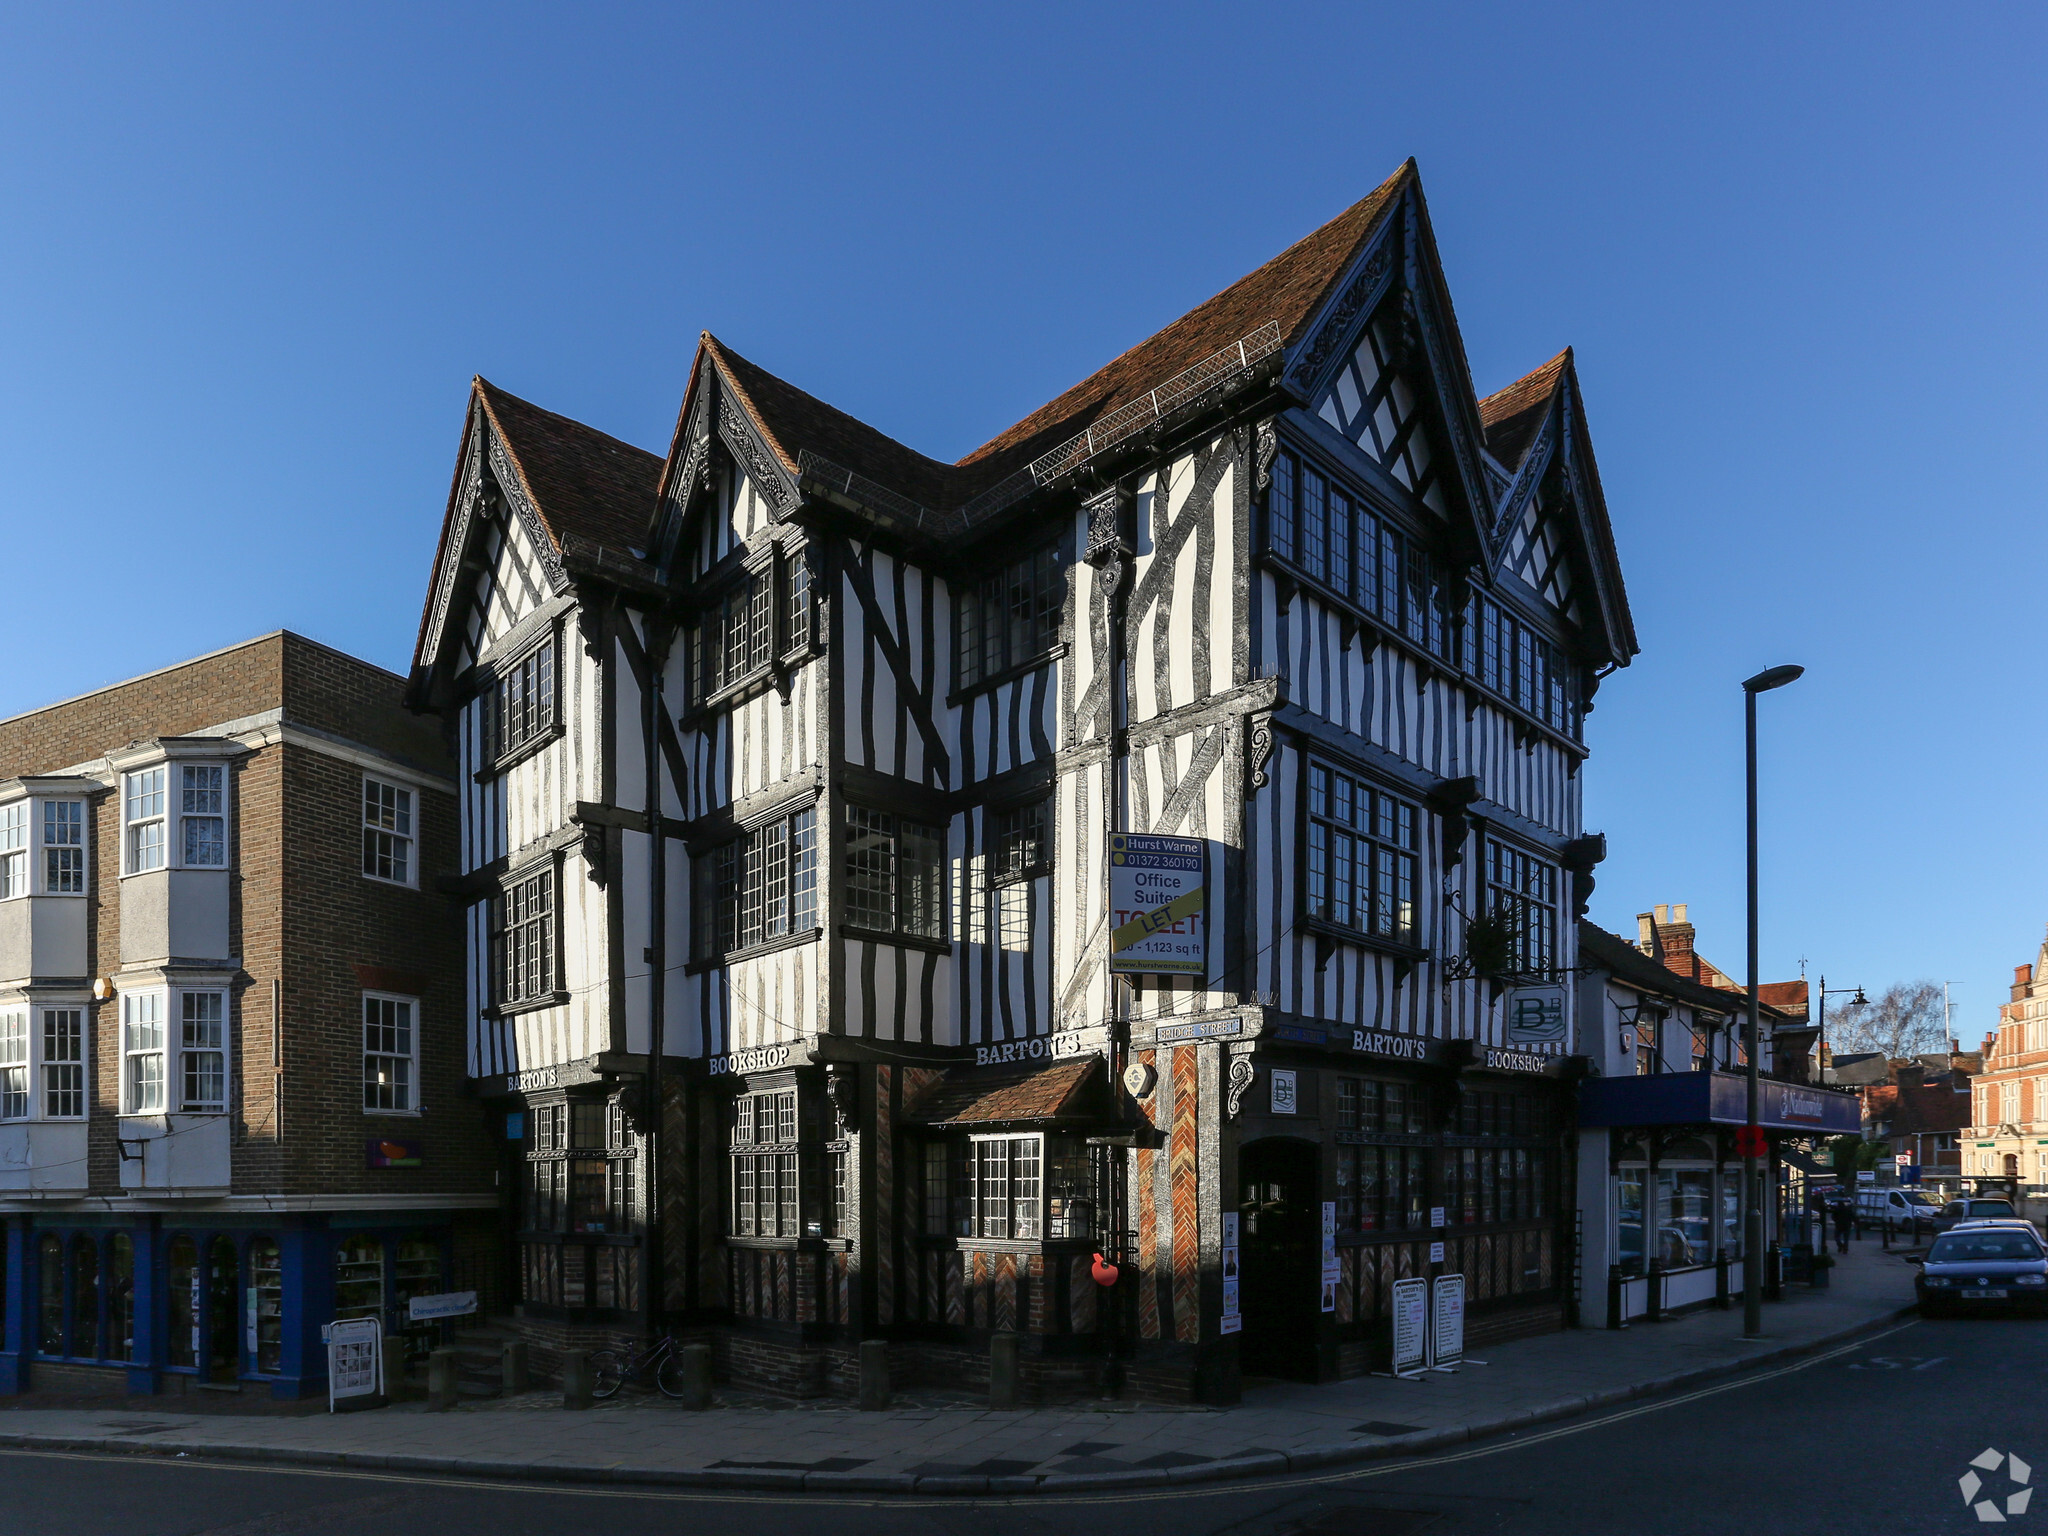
2007,1137
232,1098
1665,935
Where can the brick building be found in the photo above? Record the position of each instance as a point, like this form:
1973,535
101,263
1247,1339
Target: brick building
2007,1137
231,1084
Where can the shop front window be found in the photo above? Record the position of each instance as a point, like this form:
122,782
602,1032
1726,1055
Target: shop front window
988,1187
50,1295
266,1299
1731,1212
85,1297
359,1278
182,1281
1628,1188
224,1310
1381,1189
120,1297
416,1272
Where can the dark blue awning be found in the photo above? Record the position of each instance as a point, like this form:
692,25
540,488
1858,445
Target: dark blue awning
1717,1098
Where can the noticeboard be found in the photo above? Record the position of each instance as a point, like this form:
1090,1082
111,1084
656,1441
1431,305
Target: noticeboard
1411,1326
1158,905
355,1359
1447,1322
1233,1319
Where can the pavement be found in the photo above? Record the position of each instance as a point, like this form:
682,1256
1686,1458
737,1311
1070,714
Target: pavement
934,1444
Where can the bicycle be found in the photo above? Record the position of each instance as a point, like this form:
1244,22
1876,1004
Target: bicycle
610,1370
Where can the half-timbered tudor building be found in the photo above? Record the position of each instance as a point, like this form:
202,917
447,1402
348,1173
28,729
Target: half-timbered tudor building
790,764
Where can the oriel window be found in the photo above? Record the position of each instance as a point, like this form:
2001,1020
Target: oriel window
1362,856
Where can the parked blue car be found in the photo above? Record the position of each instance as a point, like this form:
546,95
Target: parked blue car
1993,1268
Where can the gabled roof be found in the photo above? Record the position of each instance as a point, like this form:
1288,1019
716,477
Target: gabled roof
791,421
1630,966
1284,294
986,1096
1512,416
1288,290
582,481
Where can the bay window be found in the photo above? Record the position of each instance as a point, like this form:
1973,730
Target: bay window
142,1053
63,1063
519,708
1010,617
760,886
893,872
764,1165
14,849
64,847
142,820
202,815
202,1052
1521,883
763,617
14,1064
985,1187
523,941
1362,856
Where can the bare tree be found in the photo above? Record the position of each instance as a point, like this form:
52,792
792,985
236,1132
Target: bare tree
1903,1020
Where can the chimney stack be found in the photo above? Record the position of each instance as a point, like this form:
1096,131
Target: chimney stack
2022,982
1646,934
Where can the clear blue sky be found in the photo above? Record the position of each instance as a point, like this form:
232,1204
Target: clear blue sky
251,256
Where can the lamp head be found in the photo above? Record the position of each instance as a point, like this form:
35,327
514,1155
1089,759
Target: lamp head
1775,677
1859,1000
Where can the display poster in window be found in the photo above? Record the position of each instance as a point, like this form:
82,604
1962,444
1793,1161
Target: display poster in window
1536,1018
426,1309
1158,905
1283,1083
1447,1323
355,1359
1233,1320
385,1152
1333,1267
1411,1326
249,1315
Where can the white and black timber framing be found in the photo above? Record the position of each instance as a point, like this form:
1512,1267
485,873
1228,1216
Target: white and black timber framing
797,582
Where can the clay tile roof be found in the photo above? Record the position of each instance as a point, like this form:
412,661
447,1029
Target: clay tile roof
1290,289
1512,415
582,481
1782,994
793,421
981,1095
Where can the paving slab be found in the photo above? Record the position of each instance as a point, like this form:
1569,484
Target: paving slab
949,1445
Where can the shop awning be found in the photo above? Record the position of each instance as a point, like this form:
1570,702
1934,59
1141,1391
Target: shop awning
1717,1098
1061,1090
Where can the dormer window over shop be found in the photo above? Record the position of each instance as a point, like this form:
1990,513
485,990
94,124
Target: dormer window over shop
1008,619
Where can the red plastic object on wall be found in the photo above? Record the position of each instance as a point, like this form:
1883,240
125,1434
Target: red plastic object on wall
1104,1272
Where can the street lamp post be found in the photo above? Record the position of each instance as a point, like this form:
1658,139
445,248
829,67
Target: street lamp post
1752,1164
1820,1076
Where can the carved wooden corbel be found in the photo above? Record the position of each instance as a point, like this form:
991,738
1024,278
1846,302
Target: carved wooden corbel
1258,751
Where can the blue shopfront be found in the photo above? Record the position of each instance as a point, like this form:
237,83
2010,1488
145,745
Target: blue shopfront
141,1304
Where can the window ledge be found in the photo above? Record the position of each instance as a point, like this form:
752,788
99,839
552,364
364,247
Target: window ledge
519,754
526,1005
758,680
396,1114
1044,658
752,951
904,940
396,885
1399,949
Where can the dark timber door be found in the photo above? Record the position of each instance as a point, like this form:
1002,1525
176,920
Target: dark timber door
1280,1233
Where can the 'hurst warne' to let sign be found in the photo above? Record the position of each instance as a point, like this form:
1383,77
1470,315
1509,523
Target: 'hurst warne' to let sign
1158,905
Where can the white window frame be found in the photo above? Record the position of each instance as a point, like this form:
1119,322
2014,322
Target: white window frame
17,1092
189,1051
187,816
134,1054
49,1066
2009,1102
402,830
42,821
15,819
154,803
410,1057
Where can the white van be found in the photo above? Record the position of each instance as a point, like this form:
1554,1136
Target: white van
1895,1210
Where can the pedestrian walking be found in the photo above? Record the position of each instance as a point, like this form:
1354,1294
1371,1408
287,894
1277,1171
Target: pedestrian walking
1844,1213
